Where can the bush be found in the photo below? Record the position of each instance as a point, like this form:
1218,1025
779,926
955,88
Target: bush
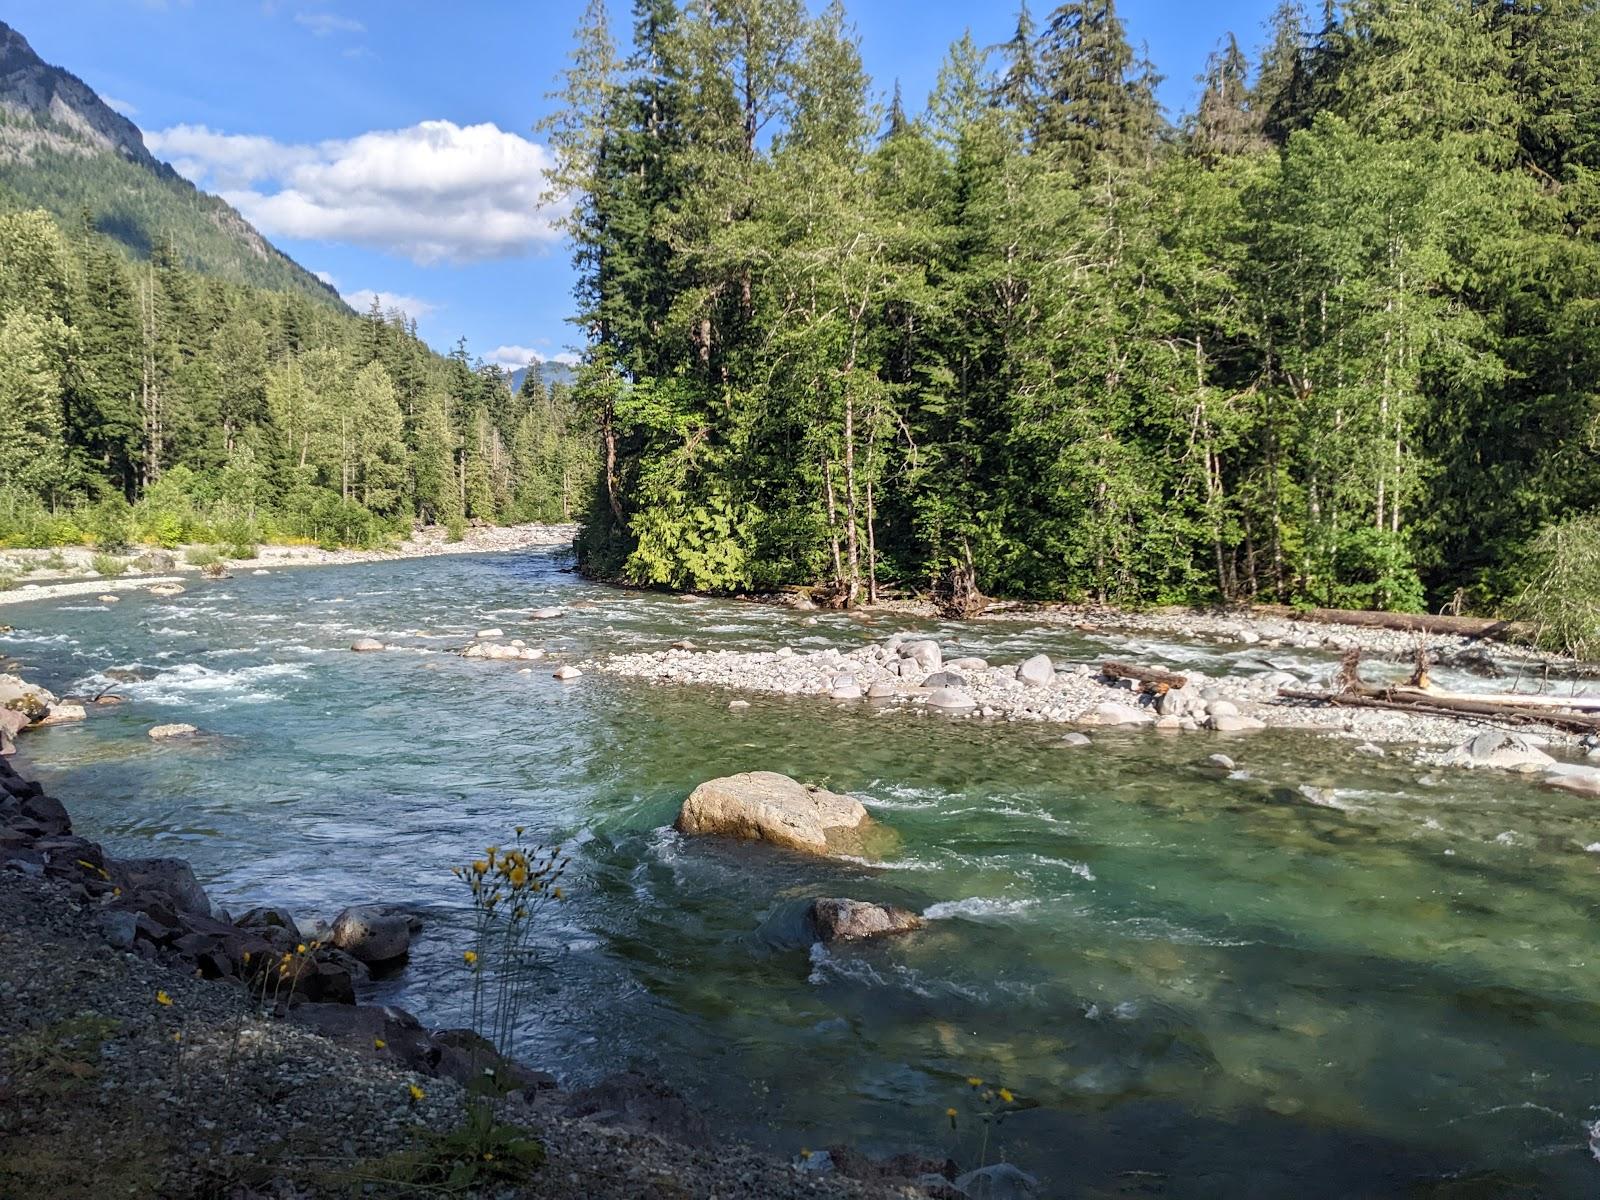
7,582
105,564
1561,600
111,525
164,529
455,528
201,556
240,537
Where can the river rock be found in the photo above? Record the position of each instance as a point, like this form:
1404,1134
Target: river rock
1221,761
768,807
925,653
1002,1181
968,664
566,672
882,690
177,729
108,598
497,650
169,879
1037,671
1172,703
166,589
373,933
275,922
1233,723
60,714
546,614
635,1101
19,695
491,633
1499,748
738,704
944,679
1222,708
952,700
12,722
1571,777
1112,713
844,687
1076,739
838,920
366,645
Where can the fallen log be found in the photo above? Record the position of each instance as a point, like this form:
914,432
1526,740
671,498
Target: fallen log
1437,707
1150,679
1507,699
1472,627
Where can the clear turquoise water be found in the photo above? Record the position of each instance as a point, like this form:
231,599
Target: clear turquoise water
1205,986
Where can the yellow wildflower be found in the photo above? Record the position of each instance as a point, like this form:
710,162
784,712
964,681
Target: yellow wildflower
951,1113
560,895
300,949
520,828
378,1043
974,1081
1005,1094
487,1157
479,867
518,876
417,1093
471,957
164,1000
247,958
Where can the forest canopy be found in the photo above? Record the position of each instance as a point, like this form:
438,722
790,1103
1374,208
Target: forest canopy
1331,338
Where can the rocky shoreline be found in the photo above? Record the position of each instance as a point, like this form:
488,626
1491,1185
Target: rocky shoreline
152,1049
915,674
61,572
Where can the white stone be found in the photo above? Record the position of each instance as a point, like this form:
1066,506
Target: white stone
568,672
366,645
1037,671
1112,713
1226,723
1222,708
546,614
951,700
162,732
491,633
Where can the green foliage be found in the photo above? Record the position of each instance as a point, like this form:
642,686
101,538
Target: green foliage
201,556
1561,600
111,525
455,528
1333,341
108,565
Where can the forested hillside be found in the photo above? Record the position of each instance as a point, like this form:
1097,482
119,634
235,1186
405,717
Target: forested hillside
237,414
1334,338
62,148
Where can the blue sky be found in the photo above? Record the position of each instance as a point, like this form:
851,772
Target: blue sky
390,146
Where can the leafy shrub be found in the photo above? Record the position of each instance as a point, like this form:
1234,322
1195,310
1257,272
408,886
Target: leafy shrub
165,529
7,582
105,564
1561,600
111,525
56,562
201,556
240,537
455,528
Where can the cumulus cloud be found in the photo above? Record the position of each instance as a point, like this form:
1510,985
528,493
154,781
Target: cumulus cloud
327,278
125,107
513,358
388,302
323,23
435,192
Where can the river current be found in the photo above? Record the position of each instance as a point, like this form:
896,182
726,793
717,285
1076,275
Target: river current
1197,983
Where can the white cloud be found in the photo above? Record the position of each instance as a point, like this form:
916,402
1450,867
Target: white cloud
323,23
435,192
125,107
327,278
514,358
388,301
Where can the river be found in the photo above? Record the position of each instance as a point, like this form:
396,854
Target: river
1197,983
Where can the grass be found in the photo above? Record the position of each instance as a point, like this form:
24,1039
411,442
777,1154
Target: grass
201,556
108,565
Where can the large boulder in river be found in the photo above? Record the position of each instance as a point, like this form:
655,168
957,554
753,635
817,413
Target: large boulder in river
839,920
373,933
366,645
1112,713
765,806
1574,777
1037,671
951,700
1499,748
925,653
19,695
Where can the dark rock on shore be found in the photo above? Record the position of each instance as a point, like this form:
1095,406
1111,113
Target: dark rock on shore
634,1101
374,933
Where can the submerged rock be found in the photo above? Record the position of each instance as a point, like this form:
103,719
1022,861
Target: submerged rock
546,614
999,1182
838,920
366,644
60,714
1076,739
768,807
166,589
566,673
1570,777
177,729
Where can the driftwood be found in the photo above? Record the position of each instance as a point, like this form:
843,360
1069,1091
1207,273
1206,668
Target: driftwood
1416,696
1150,679
1474,627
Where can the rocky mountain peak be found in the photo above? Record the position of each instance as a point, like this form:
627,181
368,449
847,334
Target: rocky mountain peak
32,87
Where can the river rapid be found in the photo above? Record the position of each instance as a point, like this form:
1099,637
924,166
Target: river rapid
1196,982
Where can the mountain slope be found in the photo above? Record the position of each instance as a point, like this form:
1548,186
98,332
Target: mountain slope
64,149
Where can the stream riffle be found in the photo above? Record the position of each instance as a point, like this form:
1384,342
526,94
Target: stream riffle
1197,982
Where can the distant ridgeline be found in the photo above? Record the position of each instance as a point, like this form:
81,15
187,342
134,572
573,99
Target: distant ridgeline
1335,336
156,349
